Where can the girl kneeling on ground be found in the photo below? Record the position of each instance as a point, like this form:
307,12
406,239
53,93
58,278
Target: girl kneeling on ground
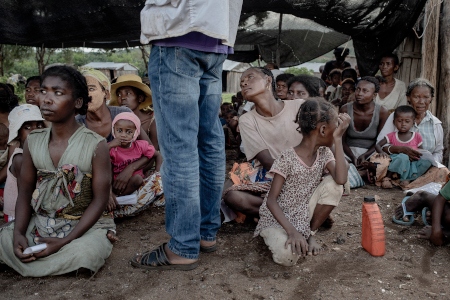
284,215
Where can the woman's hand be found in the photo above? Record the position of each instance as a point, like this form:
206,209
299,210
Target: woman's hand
299,245
343,123
361,159
53,246
20,244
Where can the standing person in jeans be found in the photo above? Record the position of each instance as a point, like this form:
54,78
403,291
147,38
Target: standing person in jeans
191,40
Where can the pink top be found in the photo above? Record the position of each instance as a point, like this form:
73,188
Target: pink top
414,142
11,191
122,157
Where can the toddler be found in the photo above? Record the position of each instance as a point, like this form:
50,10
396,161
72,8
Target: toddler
125,149
22,120
401,166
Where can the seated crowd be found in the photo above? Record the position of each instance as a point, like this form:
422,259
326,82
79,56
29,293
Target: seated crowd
306,140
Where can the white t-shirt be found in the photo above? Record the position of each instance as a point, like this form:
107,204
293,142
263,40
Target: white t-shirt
275,134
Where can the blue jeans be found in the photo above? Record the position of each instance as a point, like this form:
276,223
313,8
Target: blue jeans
187,92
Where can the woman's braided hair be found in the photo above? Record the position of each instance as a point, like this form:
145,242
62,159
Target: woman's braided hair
312,112
267,72
75,80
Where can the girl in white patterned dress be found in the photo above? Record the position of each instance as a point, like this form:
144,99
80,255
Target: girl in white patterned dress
284,216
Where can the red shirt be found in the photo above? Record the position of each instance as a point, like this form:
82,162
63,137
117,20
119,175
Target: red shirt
122,157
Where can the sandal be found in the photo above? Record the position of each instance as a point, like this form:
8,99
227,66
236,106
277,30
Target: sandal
405,213
424,216
208,249
157,260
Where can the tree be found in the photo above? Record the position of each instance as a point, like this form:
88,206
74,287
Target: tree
41,59
9,54
299,71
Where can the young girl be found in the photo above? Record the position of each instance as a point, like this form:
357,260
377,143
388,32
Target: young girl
125,149
284,215
59,205
400,165
22,120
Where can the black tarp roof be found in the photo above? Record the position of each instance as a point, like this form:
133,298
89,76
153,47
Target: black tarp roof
376,26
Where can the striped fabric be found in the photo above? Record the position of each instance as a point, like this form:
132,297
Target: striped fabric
426,129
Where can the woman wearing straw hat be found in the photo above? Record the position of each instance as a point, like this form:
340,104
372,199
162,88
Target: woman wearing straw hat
129,91
99,119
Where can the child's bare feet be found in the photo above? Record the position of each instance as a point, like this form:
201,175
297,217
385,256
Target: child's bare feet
415,203
112,237
404,183
313,247
386,183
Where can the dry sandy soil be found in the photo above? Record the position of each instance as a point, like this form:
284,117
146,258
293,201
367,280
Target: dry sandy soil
242,268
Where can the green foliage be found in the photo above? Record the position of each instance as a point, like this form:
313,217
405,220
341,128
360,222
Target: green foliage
299,71
22,60
19,89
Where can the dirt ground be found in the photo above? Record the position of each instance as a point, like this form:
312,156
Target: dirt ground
242,268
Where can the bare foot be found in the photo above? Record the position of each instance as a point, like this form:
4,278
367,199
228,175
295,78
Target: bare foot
207,243
313,247
328,223
415,203
404,183
176,259
386,183
425,233
112,237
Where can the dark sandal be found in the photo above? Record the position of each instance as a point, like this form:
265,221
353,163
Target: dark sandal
208,249
157,260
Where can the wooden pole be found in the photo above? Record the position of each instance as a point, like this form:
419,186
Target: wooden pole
444,87
430,44
280,25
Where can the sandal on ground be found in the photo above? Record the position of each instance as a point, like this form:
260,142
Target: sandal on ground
386,183
424,216
208,249
405,213
157,260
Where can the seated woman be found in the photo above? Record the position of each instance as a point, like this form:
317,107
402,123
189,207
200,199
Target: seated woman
367,120
302,87
420,93
58,205
99,119
129,91
266,131
392,91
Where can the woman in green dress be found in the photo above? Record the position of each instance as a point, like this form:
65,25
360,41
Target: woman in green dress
57,204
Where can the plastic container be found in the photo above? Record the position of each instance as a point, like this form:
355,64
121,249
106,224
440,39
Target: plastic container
372,237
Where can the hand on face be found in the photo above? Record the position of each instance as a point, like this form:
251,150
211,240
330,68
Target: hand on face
343,123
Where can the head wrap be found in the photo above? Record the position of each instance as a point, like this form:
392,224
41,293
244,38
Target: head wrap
100,76
130,117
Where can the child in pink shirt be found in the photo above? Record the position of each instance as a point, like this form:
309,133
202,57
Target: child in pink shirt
125,149
401,166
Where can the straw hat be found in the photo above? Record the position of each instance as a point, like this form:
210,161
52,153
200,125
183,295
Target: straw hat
134,81
19,115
